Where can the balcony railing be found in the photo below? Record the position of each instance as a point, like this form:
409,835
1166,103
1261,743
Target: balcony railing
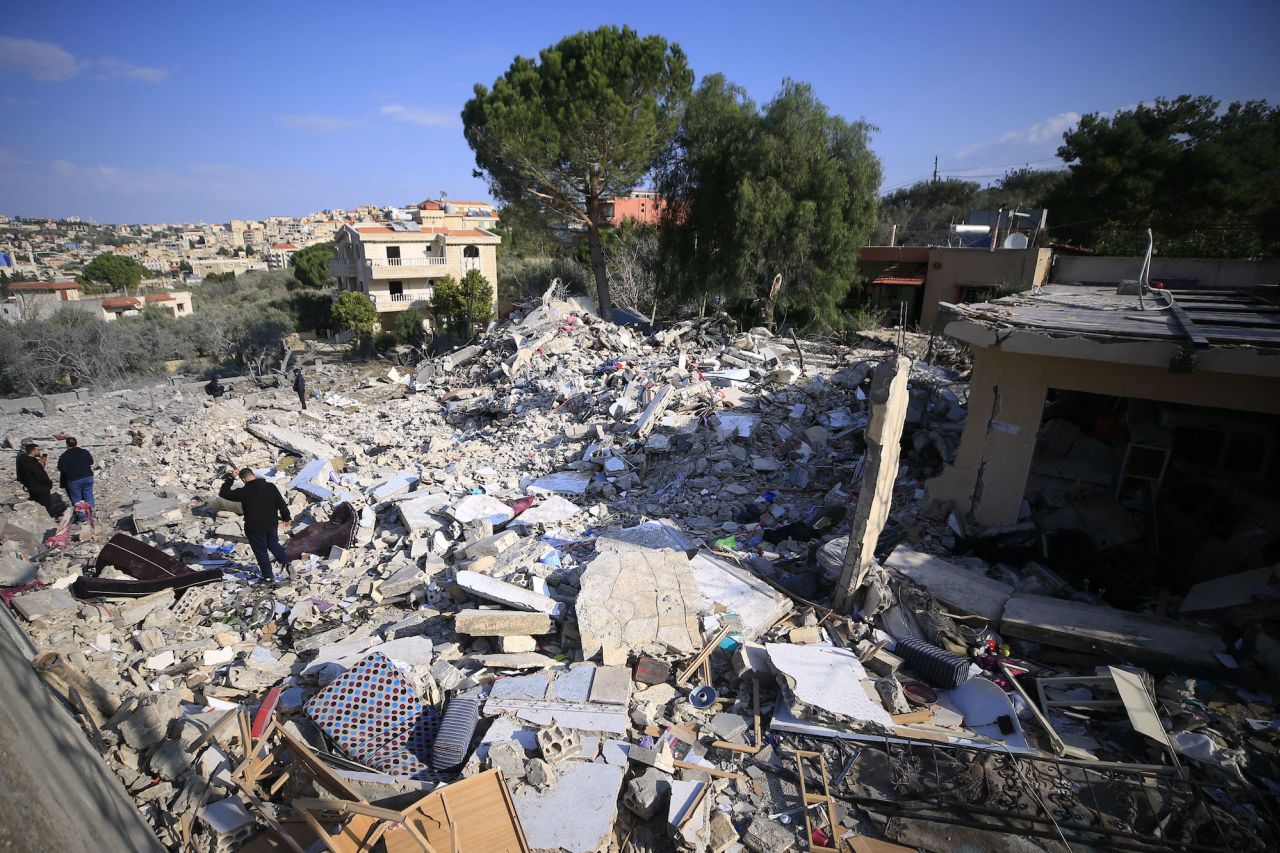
342,269
404,267
401,301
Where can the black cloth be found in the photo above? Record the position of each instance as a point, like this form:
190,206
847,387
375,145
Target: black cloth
261,501
75,463
215,389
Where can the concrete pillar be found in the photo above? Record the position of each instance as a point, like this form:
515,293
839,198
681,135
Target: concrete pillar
989,475
889,400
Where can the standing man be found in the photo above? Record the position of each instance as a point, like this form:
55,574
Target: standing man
75,475
300,386
262,502
34,478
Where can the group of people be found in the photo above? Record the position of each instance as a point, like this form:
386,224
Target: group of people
261,501
75,476
217,390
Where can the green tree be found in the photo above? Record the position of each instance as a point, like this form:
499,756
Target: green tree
580,125
1202,178
354,312
463,307
224,252
114,272
408,327
768,208
924,210
311,265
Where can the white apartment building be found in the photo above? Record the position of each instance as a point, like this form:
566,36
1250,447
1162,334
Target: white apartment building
397,263
277,257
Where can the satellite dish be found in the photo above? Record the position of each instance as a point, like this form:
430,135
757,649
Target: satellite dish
1015,241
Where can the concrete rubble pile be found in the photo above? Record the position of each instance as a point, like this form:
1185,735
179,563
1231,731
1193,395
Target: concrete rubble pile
601,563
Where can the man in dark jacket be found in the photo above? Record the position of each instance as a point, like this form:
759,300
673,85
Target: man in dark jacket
75,475
34,478
214,389
262,502
300,386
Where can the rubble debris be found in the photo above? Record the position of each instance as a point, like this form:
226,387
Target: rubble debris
577,567
642,599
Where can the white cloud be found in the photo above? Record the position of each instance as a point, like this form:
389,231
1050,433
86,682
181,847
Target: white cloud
48,63
315,122
40,60
419,116
1039,133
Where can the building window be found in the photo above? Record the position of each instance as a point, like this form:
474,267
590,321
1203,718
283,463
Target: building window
471,252
393,255
396,288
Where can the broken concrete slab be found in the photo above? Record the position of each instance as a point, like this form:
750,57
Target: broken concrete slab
153,513
738,591
418,513
44,604
509,594
521,660
588,792
1092,628
574,685
650,534
291,441
1223,593
493,545
563,482
15,571
612,685
645,600
825,684
551,510
392,487
402,581
959,589
501,623
314,479
475,507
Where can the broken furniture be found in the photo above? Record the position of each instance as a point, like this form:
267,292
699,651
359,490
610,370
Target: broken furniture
153,569
471,814
376,718
320,539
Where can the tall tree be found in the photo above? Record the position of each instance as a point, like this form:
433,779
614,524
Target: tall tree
463,306
768,208
1203,179
582,124
311,265
115,272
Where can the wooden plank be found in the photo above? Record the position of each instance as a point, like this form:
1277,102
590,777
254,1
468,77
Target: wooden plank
479,811
958,589
1092,628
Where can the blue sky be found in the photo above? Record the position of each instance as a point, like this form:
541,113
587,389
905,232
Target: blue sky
147,112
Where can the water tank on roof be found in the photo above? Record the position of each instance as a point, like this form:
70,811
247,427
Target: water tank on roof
450,208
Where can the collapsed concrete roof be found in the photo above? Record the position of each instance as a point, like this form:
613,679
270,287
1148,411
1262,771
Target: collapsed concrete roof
1226,331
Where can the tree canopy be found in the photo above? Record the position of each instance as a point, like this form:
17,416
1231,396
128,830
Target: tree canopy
925,210
463,306
1202,178
311,265
354,312
768,208
582,124
116,272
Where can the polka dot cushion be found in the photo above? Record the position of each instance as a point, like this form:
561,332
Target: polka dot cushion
373,715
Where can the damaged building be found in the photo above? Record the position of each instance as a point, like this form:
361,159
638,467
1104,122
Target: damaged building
577,587
1138,425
